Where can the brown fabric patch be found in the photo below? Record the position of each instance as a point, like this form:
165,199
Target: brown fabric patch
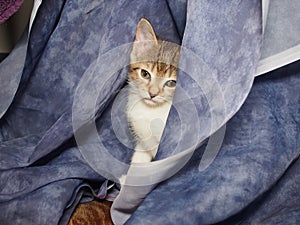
92,213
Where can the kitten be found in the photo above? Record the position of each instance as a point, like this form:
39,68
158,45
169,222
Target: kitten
152,80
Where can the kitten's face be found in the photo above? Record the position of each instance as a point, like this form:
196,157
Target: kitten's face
153,68
153,83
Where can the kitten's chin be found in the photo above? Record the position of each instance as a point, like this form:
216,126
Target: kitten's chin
152,103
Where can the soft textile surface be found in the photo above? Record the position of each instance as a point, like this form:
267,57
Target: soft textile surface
261,141
281,35
69,88
93,213
8,8
204,101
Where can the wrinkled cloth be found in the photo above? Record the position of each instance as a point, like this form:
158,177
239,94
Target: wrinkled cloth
64,136
8,8
254,179
281,35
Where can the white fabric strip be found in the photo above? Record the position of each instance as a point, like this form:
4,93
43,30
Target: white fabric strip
278,60
265,9
281,30
35,8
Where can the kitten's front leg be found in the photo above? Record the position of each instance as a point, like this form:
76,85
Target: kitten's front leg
141,155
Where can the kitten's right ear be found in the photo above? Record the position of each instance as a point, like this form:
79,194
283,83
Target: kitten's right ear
145,31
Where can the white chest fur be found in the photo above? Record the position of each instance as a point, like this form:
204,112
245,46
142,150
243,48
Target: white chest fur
147,124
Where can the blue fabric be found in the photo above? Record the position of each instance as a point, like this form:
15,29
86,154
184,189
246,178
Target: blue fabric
45,172
261,142
220,49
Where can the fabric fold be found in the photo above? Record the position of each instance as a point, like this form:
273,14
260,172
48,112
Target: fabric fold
219,53
229,144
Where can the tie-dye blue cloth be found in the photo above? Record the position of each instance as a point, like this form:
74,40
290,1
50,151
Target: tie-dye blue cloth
67,81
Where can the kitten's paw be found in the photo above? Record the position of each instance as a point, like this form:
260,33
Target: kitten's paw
141,157
122,179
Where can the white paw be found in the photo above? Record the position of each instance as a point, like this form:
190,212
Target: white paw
141,157
122,179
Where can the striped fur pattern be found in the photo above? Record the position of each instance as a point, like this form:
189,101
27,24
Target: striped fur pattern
152,81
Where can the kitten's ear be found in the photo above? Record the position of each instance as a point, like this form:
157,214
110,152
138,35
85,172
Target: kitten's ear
145,43
145,31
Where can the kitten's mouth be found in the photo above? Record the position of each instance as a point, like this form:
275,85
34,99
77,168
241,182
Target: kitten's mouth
151,102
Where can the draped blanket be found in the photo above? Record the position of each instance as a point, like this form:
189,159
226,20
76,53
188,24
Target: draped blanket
229,152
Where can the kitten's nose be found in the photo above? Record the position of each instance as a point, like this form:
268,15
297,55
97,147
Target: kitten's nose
152,95
153,91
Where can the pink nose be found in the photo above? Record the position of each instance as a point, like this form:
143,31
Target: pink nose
153,91
152,95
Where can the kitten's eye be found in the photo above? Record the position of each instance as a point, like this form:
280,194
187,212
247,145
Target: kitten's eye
145,74
171,83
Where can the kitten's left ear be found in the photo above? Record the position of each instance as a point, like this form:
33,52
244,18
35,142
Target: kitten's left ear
145,31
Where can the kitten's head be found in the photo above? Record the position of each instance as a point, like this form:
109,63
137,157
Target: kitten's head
153,66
